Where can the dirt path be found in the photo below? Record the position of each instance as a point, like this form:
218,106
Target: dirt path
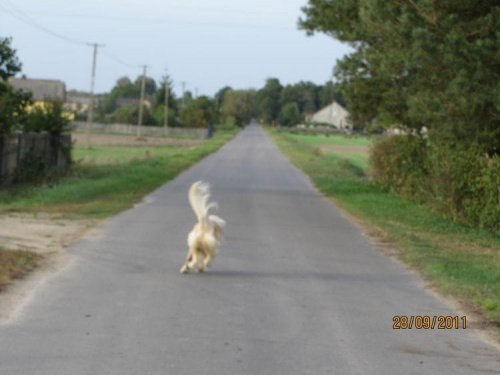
40,233
45,234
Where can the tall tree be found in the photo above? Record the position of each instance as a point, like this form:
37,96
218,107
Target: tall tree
9,62
159,110
220,95
268,100
149,85
419,63
240,105
12,103
303,94
328,93
290,114
198,113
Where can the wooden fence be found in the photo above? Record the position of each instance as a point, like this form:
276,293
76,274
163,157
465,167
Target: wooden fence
19,152
150,131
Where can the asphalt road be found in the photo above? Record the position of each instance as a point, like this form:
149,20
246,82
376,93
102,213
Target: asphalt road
296,289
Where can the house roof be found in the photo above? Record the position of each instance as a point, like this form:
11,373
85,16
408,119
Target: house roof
333,114
41,89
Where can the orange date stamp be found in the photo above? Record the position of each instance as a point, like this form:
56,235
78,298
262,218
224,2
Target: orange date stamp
429,322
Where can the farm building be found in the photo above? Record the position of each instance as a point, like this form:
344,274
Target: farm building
41,89
333,114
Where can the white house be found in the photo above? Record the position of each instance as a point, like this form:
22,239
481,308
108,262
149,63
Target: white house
333,114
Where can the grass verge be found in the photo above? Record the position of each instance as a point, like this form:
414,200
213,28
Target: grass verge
101,189
460,262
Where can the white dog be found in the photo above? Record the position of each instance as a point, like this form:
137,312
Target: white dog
206,235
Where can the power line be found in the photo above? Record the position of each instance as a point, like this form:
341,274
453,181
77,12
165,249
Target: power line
119,61
20,15
14,11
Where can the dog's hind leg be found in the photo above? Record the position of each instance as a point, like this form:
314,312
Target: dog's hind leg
207,260
201,265
195,258
189,259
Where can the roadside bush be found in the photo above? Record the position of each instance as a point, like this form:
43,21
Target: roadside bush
460,184
129,114
159,116
465,185
49,117
398,164
229,123
39,164
290,115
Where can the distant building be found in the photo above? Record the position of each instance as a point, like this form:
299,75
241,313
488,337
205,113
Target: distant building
127,101
333,114
41,89
77,104
132,102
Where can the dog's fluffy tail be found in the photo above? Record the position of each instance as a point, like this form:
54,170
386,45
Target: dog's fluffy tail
199,194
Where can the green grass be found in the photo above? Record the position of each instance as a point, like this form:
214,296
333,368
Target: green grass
336,146
336,139
461,262
103,189
122,154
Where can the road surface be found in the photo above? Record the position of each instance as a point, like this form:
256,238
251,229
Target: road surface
296,289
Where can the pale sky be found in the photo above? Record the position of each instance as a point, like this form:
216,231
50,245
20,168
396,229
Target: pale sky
207,44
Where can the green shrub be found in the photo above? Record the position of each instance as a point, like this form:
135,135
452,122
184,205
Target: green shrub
49,117
398,164
465,185
229,123
462,184
13,106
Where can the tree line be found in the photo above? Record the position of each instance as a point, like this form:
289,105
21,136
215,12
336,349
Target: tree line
284,104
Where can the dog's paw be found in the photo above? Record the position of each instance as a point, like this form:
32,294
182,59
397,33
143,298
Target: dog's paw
184,269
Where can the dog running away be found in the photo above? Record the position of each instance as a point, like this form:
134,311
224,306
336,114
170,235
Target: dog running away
206,235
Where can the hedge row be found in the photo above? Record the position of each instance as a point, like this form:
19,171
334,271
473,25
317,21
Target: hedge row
461,184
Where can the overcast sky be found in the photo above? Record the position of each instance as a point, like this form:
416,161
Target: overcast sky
207,44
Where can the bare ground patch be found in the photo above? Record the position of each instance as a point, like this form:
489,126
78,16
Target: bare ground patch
41,233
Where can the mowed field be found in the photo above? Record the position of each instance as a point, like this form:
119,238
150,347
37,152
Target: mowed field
355,149
119,149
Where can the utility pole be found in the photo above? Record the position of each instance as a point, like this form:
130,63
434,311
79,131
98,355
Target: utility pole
165,114
143,85
183,94
90,113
